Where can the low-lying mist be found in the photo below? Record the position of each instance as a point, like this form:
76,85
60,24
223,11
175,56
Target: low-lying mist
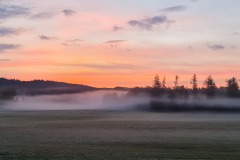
118,100
94,100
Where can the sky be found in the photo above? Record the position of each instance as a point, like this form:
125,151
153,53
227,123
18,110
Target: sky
119,42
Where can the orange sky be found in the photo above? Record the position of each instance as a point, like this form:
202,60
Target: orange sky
110,45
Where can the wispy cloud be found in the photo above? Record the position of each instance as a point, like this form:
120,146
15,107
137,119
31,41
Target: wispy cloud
189,64
236,33
117,28
112,66
43,15
114,43
150,22
73,42
4,60
9,11
4,47
69,12
47,38
233,47
190,47
216,47
6,31
178,8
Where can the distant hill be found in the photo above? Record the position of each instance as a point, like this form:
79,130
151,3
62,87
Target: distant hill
36,87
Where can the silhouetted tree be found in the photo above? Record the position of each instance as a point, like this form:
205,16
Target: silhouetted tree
232,87
164,83
176,82
156,91
194,85
210,87
156,82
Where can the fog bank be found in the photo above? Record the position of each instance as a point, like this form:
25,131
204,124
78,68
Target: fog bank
95,100
118,100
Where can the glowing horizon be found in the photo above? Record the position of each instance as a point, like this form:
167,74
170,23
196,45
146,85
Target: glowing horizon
119,43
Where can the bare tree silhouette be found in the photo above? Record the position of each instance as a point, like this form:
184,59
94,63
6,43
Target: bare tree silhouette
156,82
176,81
194,85
157,86
164,83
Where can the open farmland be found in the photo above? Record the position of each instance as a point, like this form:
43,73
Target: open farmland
118,135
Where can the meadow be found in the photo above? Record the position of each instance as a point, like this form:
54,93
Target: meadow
98,134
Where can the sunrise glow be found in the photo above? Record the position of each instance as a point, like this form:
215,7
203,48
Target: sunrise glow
119,42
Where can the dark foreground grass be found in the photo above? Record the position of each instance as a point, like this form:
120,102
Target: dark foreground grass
102,135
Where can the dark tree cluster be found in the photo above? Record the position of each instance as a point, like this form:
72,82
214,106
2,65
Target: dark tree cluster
36,84
232,87
178,95
209,88
42,87
7,94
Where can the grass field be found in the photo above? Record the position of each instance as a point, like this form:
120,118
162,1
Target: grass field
118,135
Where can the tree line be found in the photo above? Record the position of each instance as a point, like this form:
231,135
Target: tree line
209,87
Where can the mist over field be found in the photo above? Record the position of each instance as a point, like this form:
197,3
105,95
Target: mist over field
117,100
95,100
